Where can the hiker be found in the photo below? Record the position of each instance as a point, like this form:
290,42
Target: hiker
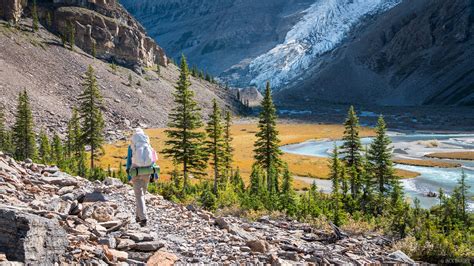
141,169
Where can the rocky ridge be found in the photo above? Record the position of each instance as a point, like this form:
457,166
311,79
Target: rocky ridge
78,221
101,25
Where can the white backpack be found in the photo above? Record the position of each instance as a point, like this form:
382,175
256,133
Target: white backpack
143,154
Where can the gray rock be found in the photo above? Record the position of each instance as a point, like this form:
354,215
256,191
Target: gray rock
76,208
125,244
139,236
60,179
66,190
113,182
222,223
148,246
139,256
94,197
401,257
108,241
258,245
31,239
110,224
51,170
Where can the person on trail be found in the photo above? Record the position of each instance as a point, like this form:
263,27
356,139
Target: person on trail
141,169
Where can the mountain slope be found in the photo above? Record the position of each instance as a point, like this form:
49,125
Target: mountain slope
417,53
216,35
383,52
52,75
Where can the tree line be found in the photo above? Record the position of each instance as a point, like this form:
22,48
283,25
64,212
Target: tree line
84,129
365,188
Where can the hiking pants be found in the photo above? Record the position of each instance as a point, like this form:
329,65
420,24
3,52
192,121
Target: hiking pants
140,184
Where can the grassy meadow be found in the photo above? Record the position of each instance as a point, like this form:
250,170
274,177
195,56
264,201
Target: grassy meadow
462,155
244,138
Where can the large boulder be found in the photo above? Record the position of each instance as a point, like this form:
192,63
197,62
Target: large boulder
31,239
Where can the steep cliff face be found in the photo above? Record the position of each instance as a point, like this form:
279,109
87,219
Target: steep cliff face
102,25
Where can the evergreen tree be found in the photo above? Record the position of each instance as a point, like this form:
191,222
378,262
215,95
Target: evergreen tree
185,141
34,14
44,148
287,196
23,135
8,146
130,80
237,181
463,192
74,145
49,21
379,156
71,32
228,149
94,49
57,154
256,180
3,131
267,147
215,145
91,115
336,176
351,150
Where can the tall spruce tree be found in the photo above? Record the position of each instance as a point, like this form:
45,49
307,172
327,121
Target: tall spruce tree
351,150
215,145
185,140
3,130
267,146
237,181
57,151
44,148
287,193
23,134
337,174
90,112
71,32
379,156
34,14
256,180
228,149
463,196
74,145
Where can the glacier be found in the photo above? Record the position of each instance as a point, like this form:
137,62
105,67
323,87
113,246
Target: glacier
324,26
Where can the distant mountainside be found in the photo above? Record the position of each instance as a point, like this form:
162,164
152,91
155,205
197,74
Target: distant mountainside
385,52
216,35
52,74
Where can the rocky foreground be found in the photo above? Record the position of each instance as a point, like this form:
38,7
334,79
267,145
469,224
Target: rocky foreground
47,217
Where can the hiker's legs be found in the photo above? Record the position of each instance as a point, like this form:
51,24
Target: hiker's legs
140,184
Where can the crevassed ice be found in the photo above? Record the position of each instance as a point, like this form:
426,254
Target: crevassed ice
325,24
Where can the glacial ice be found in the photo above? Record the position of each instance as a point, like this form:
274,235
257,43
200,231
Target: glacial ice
323,27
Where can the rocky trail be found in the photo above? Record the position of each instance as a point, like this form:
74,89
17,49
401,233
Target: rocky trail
47,217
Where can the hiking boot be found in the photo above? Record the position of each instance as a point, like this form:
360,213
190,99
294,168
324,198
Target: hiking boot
142,223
